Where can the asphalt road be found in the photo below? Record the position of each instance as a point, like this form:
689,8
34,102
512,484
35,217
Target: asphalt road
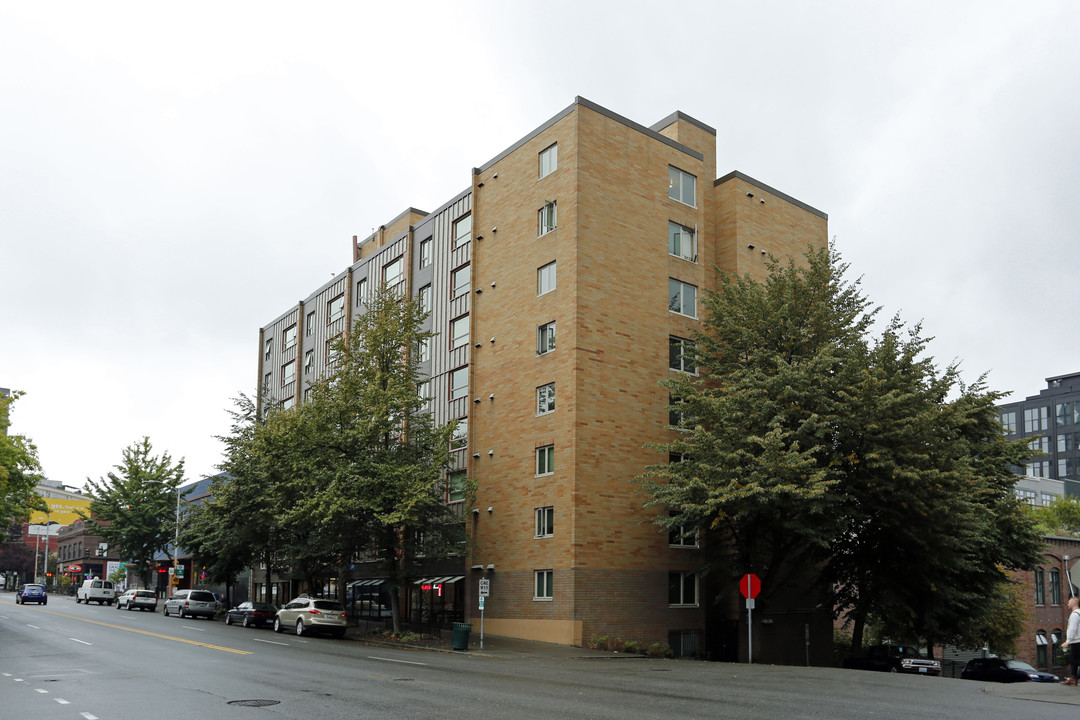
79,662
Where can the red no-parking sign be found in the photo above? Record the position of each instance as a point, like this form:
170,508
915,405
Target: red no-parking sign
749,586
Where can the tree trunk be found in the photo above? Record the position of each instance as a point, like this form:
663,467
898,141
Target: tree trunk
857,631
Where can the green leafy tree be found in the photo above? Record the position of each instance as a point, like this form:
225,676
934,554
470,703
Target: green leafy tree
134,509
20,472
1060,517
806,445
367,464
215,544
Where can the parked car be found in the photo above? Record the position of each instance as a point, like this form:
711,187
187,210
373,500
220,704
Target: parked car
310,615
192,603
248,614
97,590
895,658
141,599
31,592
1004,671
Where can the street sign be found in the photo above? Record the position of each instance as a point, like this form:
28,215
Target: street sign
481,602
485,587
749,586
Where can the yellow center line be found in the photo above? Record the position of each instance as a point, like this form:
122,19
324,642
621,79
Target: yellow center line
151,634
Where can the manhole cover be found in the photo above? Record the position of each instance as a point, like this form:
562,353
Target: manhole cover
254,703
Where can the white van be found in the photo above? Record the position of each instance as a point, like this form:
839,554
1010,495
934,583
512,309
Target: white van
96,589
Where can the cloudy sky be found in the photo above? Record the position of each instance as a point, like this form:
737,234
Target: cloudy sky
173,177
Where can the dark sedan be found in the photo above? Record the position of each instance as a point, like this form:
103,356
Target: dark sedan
251,614
31,593
1004,671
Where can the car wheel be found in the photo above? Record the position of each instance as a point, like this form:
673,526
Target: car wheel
183,614
44,602
166,611
247,621
77,600
228,619
277,625
892,669
300,628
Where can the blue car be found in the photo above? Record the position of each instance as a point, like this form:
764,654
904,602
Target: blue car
31,593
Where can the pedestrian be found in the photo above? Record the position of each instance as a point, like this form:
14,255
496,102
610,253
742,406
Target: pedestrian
1072,641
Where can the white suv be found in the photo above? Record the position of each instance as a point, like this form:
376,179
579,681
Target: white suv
97,590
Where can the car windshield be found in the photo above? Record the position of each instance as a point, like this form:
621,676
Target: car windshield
329,605
908,652
1020,665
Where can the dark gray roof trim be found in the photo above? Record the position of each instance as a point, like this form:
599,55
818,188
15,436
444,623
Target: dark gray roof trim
774,191
678,115
603,111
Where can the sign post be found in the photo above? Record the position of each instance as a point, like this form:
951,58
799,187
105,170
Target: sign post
485,590
749,586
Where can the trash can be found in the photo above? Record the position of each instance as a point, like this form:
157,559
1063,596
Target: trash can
461,636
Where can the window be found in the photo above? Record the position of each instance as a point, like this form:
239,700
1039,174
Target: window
288,403
682,536
1068,442
1041,644
460,438
455,482
335,309
545,399
422,392
549,160
361,291
1008,420
425,252
1040,586
309,361
1060,656
459,281
1027,496
682,589
545,338
425,299
682,298
543,587
267,379
682,186
1055,586
545,522
1038,468
1068,413
680,355
547,218
288,373
459,332
1069,468
545,279
269,347
1036,419
423,350
459,383
675,413
682,242
462,231
310,325
289,340
1039,445
545,460
394,271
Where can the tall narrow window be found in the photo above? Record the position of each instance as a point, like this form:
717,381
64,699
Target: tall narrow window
549,160
545,522
269,347
425,299
425,252
423,390
545,399
682,186
545,338
459,281
544,590
423,350
462,231
545,460
309,361
290,337
682,242
459,383
682,298
460,438
548,217
394,271
455,482
335,309
1040,586
459,332
288,373
361,291
310,325
1055,586
545,279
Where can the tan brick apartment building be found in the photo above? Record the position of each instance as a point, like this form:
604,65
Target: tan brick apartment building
561,284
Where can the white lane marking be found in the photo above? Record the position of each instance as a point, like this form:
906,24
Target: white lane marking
272,642
192,627
6,674
33,626
19,680
88,716
41,690
403,662
62,701
80,641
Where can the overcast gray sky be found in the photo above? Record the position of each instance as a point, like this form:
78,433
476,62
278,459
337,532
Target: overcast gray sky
173,177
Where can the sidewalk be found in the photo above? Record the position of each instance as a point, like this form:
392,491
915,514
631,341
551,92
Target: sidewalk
1041,692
